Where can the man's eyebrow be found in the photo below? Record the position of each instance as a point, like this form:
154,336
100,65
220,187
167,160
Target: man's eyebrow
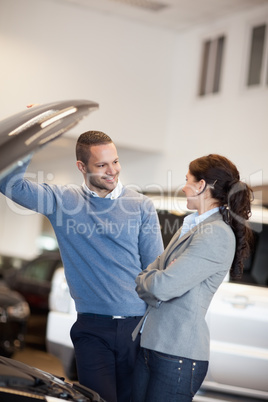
105,163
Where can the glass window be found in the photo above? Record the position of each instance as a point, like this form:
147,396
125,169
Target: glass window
256,55
38,270
211,66
218,64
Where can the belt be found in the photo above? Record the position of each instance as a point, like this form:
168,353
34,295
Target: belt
111,317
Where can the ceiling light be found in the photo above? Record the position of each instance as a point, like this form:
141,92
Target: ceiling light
147,4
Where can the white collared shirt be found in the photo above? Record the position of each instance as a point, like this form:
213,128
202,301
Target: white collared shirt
192,220
113,194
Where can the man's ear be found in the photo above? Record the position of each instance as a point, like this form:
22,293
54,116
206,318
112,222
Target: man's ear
81,166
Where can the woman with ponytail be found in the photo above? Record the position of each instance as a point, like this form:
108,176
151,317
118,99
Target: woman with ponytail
179,285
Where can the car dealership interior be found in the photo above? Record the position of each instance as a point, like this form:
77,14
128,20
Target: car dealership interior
169,81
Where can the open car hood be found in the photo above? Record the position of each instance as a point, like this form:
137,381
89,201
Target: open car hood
24,133
20,382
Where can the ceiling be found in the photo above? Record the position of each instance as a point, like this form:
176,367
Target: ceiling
175,15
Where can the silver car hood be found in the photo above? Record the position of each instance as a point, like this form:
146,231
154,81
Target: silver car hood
24,133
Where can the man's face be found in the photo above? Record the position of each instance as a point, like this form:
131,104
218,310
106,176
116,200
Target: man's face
103,168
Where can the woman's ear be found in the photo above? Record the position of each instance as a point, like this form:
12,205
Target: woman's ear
201,185
81,166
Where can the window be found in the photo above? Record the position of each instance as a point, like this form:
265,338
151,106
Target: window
211,66
39,270
257,57
170,224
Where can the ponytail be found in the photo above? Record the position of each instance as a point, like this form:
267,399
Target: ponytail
234,198
236,213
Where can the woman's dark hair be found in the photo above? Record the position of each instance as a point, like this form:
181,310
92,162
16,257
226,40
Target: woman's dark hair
88,139
234,199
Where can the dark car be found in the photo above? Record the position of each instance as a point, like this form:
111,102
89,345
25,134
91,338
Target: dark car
20,382
33,279
10,262
14,313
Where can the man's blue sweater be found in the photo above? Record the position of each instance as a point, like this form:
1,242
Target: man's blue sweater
104,243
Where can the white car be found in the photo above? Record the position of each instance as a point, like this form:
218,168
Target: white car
237,320
61,317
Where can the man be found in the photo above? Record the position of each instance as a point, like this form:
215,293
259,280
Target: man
107,234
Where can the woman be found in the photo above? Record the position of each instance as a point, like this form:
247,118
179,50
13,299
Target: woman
179,285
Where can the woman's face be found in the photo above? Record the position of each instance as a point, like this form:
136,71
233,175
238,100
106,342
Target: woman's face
191,189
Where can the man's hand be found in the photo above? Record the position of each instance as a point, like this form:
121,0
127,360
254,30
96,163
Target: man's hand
32,104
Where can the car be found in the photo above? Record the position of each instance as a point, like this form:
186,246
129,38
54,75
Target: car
238,323
20,382
8,262
24,133
61,317
33,279
14,314
237,317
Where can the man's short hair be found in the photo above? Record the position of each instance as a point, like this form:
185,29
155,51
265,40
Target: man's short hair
87,140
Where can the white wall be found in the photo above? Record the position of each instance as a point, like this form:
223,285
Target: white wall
20,229
54,51
145,80
235,121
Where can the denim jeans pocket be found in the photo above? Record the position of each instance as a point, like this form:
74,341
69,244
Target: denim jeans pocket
199,371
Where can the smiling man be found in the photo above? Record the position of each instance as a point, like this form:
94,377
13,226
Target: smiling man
98,162
107,235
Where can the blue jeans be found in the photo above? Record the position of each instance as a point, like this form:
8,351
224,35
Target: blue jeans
160,377
105,355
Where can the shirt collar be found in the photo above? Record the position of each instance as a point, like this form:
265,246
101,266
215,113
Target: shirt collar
112,195
192,220
205,215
